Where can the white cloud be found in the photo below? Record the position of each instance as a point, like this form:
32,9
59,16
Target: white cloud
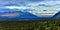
50,6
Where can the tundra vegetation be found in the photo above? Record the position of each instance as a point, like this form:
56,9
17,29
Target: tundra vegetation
31,25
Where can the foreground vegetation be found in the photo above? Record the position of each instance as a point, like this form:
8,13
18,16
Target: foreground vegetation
30,25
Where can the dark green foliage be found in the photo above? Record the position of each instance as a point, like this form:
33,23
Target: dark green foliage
30,25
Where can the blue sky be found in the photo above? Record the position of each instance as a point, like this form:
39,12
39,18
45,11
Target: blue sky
52,6
20,2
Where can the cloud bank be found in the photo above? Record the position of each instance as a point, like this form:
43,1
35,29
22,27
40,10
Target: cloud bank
37,6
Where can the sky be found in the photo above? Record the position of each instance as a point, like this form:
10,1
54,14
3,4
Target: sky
20,2
37,6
